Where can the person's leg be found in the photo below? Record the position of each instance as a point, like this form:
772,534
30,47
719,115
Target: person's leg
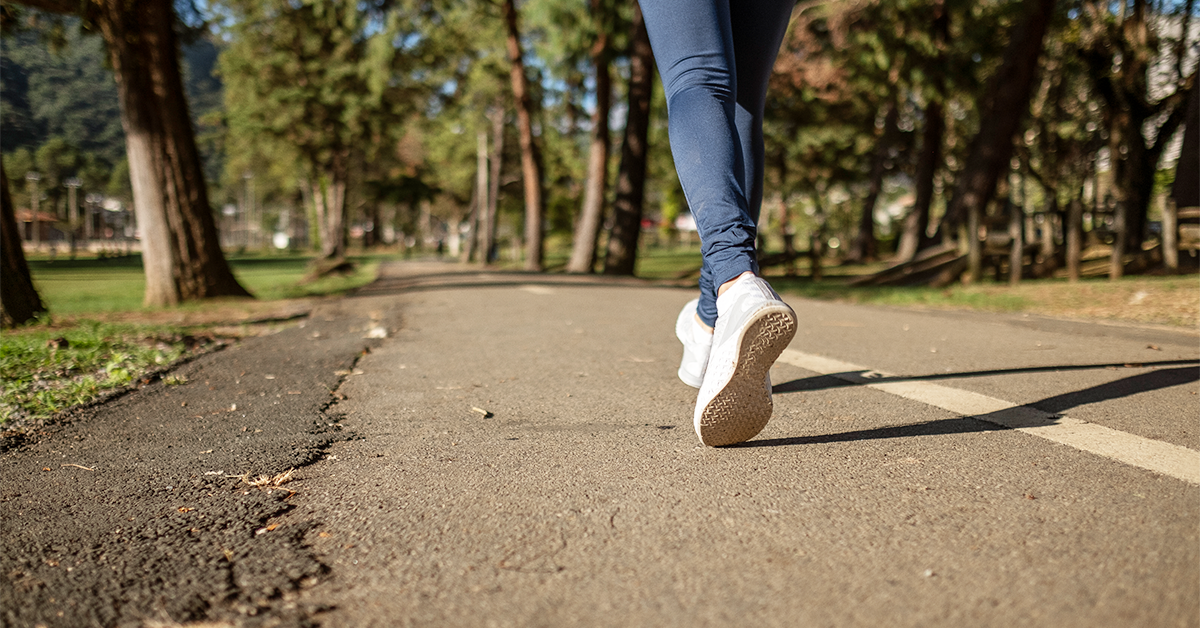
693,48
758,27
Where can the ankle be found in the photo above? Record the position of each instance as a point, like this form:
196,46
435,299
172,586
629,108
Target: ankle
728,284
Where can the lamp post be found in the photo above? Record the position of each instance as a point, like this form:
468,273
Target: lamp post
32,178
72,186
89,213
249,206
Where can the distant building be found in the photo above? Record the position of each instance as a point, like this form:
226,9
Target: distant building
45,226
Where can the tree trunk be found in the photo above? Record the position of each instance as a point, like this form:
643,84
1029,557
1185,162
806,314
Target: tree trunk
332,217
479,208
493,199
1016,251
19,300
1186,189
180,247
1121,63
1073,234
913,238
865,247
1000,116
974,244
530,166
631,177
372,237
1185,192
591,217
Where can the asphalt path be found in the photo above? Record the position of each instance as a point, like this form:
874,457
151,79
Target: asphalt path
519,452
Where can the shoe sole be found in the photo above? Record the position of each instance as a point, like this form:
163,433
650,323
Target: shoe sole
682,323
688,379
743,407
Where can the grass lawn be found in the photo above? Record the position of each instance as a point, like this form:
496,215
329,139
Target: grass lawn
90,286
99,337
1160,300
44,370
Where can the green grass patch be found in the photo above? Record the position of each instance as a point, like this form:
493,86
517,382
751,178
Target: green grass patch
271,278
45,370
70,287
83,286
954,297
1165,300
50,366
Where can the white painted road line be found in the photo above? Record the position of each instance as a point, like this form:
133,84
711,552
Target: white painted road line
1165,458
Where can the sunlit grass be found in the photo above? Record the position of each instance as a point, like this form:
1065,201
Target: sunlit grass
66,359
1166,300
86,286
44,370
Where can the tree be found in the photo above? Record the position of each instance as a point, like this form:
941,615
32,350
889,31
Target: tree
631,177
1186,189
19,300
591,215
531,167
1001,113
306,81
54,85
1121,47
916,223
181,255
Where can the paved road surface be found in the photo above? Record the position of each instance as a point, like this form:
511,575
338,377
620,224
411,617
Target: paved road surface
921,469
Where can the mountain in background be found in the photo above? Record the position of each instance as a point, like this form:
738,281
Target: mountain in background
66,94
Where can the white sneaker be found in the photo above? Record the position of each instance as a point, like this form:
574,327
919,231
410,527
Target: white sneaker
753,327
697,341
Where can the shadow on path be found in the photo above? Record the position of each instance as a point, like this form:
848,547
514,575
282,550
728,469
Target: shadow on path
860,378
1056,405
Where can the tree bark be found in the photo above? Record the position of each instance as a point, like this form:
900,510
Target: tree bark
1000,116
329,198
479,205
1047,259
180,247
19,300
1127,96
493,200
1073,234
591,217
530,159
865,247
1186,189
1185,192
1016,251
621,255
913,238
1116,261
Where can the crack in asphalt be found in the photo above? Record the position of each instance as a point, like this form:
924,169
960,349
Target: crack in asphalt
164,527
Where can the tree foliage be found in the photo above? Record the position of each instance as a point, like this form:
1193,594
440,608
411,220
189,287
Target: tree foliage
386,113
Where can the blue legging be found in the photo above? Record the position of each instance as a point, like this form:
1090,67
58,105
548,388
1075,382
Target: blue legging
714,57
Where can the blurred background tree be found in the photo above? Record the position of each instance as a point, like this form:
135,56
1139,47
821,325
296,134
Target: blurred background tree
918,132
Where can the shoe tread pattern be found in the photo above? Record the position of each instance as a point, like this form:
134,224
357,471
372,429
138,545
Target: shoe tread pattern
741,409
